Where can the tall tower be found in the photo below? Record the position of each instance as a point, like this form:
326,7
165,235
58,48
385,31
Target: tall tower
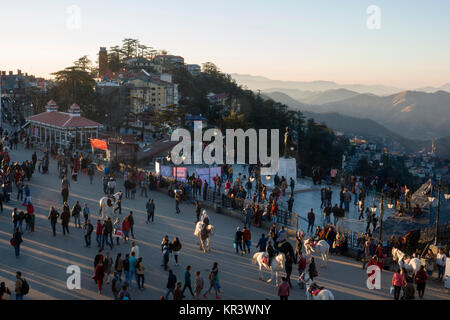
102,62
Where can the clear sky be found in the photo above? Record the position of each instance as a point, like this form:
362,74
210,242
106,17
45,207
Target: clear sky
301,40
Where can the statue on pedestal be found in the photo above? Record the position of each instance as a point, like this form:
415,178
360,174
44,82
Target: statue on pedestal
288,144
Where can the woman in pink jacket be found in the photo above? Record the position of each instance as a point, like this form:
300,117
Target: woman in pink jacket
398,281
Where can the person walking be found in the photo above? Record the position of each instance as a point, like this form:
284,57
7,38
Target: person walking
126,229
198,209
99,275
91,173
421,280
178,295
119,203
116,285
19,286
171,283
187,281
283,289
65,218
238,240
15,218
150,206
312,270
177,202
99,233
117,229
86,212
108,263
166,255
198,285
246,239
140,270
135,249
398,281
131,221
301,268
311,218
262,243
212,285
16,241
76,210
5,293
132,270
88,228
53,217
290,202
105,236
175,247
288,268
441,259
118,265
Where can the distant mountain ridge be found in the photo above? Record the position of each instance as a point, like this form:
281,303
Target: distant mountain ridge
411,114
262,83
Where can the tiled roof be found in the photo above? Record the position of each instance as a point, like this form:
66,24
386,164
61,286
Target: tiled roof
63,120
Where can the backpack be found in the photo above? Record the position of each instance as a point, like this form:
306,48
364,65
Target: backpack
25,287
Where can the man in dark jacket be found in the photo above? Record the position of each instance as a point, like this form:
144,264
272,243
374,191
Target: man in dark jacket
238,240
171,283
53,217
290,202
107,231
311,219
262,243
150,206
65,218
198,209
76,211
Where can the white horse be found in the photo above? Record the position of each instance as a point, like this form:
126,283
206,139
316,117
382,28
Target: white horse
204,245
321,246
411,265
107,205
324,294
276,265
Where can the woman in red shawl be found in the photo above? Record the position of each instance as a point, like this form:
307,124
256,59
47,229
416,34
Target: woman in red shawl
99,275
380,255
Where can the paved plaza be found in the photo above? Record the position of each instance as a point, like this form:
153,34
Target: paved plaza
44,258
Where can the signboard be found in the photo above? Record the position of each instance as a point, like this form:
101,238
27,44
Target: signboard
157,167
180,173
166,171
208,174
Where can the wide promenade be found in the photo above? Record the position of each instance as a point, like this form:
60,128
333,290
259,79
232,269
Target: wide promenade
44,258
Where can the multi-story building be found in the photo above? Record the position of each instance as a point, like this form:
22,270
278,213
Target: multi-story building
194,69
166,63
152,90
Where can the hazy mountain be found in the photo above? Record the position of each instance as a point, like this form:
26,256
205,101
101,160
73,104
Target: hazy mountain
262,83
412,114
312,97
445,87
350,126
284,99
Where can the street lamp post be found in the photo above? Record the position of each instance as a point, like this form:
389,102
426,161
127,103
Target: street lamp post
437,213
381,217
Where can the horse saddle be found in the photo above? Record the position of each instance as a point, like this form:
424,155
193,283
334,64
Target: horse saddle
265,260
315,289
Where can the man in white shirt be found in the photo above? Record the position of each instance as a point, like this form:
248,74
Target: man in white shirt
135,249
440,263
